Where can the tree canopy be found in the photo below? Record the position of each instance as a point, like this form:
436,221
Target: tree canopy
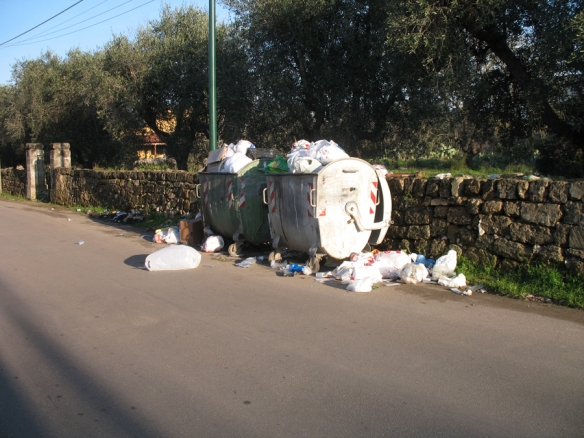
383,79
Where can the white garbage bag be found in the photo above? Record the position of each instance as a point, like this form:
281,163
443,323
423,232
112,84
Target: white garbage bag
173,258
364,285
396,259
235,163
445,265
412,273
328,151
459,281
386,270
212,243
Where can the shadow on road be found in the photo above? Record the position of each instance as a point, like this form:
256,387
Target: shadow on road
22,416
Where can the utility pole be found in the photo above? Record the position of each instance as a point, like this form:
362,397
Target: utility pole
212,83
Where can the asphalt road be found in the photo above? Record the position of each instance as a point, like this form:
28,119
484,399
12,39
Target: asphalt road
93,346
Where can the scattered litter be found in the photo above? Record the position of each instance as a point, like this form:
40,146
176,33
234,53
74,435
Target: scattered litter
208,266
324,279
494,176
443,175
173,258
306,270
170,235
459,281
247,262
391,284
68,219
456,290
81,242
78,209
324,275
467,292
260,258
52,208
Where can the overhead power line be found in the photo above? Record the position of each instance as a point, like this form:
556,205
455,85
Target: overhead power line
46,33
66,21
83,28
33,28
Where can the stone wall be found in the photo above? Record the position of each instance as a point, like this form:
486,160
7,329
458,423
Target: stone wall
505,221
147,191
14,181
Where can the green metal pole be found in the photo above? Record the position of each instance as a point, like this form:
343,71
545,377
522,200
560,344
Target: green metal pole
212,83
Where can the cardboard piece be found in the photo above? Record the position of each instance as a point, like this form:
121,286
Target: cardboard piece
191,231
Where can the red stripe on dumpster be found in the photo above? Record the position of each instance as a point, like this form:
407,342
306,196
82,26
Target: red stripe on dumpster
242,194
230,195
373,197
272,196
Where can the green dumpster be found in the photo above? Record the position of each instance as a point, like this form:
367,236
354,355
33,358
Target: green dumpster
232,205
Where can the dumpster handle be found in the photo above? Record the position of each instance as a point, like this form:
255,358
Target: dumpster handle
312,203
353,211
264,195
198,191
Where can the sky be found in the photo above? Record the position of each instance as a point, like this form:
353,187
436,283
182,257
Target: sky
66,30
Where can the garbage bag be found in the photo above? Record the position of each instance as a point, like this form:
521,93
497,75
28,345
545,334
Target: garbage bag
169,235
386,270
422,260
235,163
173,258
364,285
412,273
213,243
302,162
459,281
396,259
367,273
328,151
277,165
445,265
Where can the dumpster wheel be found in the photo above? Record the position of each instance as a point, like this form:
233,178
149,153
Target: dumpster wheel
235,248
275,255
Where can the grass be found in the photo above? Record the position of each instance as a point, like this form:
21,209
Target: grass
156,220
539,280
5,195
430,167
79,208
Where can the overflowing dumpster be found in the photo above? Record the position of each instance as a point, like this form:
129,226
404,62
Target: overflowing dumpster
337,211
231,205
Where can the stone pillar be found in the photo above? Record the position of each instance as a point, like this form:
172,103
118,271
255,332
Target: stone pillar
35,170
60,157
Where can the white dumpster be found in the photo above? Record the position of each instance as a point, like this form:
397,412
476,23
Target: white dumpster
334,212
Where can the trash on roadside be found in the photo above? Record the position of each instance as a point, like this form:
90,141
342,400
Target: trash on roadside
213,243
247,262
170,235
443,175
81,242
173,258
413,273
459,281
363,285
445,265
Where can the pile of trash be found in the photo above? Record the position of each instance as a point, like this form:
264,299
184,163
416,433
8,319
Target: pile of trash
306,157
132,216
363,270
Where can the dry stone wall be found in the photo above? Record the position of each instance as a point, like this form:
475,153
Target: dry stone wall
506,221
13,181
148,190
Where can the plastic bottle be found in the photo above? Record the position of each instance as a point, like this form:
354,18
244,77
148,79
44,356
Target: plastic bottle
293,267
